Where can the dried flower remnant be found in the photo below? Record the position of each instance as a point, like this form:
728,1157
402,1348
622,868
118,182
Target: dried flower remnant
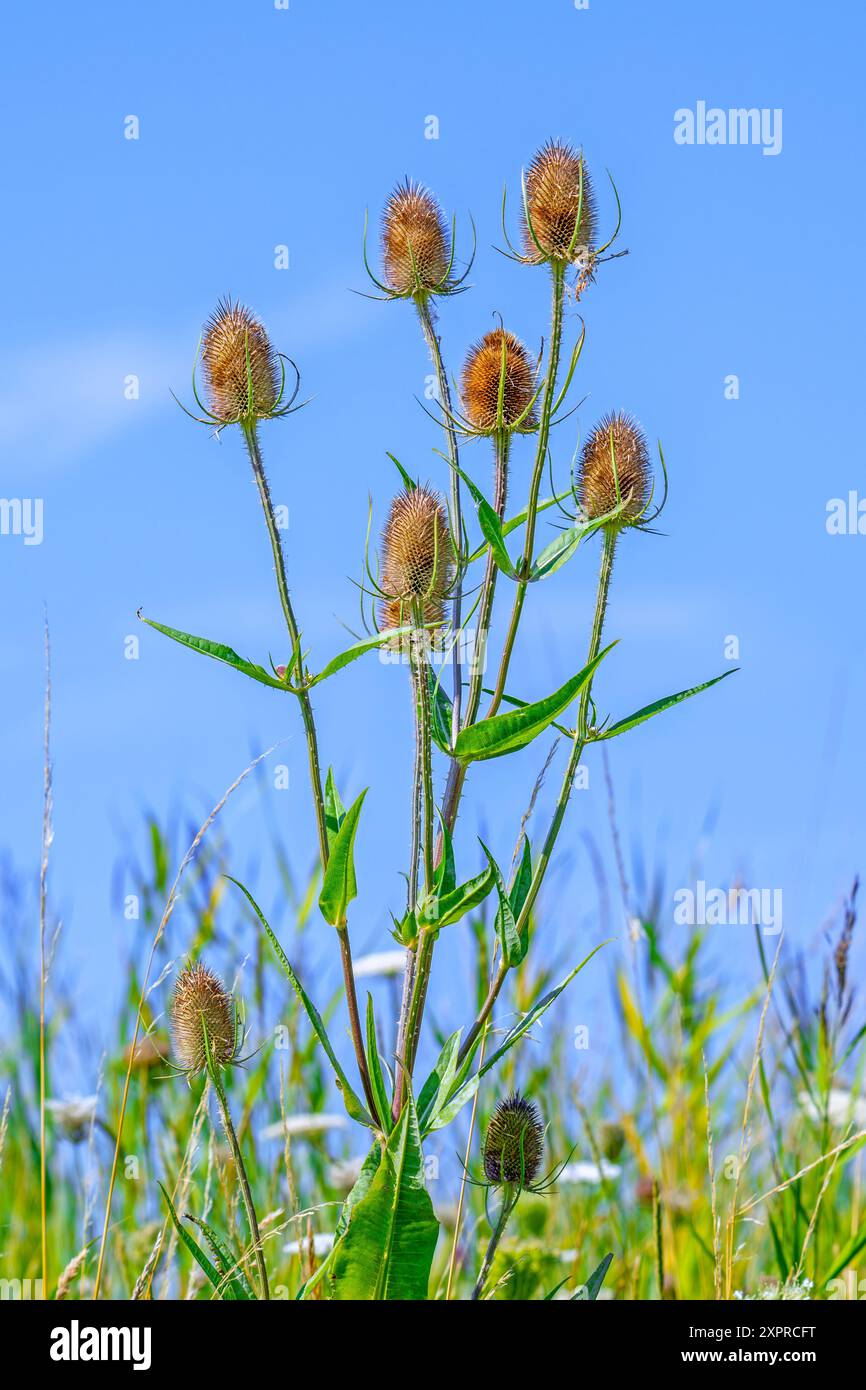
558,189
241,367
614,469
202,1004
416,558
483,380
415,242
514,1144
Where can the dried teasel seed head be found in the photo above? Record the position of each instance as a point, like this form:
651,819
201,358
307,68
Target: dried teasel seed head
241,368
617,437
415,241
482,374
201,1002
553,197
514,1143
416,557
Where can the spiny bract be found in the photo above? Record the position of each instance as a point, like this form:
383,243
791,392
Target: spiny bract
416,557
514,1143
617,437
241,368
554,194
482,374
201,1002
415,243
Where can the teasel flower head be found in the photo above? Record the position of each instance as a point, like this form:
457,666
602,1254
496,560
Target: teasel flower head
417,570
559,209
241,368
202,1005
514,1144
417,250
614,473
498,385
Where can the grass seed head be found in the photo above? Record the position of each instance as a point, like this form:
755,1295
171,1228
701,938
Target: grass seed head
514,1143
201,1003
616,438
553,197
416,557
482,374
241,368
415,241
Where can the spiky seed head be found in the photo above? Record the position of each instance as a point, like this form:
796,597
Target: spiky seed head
416,557
201,1003
241,368
482,374
415,241
553,197
514,1143
617,437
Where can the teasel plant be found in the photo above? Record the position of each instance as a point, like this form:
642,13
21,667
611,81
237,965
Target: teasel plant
387,1232
208,1035
512,1154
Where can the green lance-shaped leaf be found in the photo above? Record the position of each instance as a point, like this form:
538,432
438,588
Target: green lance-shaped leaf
221,653
514,944
464,1087
387,1250
227,1263
491,527
623,725
221,1285
339,885
374,1064
440,710
445,910
506,925
353,1105
445,877
513,522
506,733
335,811
352,653
440,1081
591,1289
555,555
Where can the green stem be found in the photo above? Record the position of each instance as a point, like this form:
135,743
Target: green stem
434,346
578,744
558,295
411,902
252,443
509,1202
424,956
242,1177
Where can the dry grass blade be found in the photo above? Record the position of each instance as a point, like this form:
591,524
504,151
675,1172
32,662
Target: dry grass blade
711,1167
743,1155
142,1283
71,1273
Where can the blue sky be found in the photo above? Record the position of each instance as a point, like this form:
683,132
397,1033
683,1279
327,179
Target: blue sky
262,127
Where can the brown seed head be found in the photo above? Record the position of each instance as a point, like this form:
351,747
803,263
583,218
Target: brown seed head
416,557
596,481
201,1002
481,378
231,336
553,197
514,1143
415,242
